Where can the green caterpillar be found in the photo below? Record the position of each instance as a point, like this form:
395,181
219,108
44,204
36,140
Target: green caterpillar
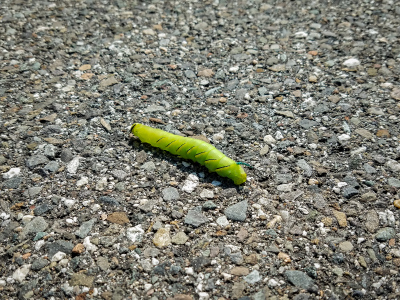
196,150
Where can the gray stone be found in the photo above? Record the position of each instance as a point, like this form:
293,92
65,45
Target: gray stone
349,192
300,279
394,182
369,169
42,209
307,124
85,228
237,212
36,160
262,91
12,183
39,235
385,234
236,258
37,224
148,166
253,277
32,191
195,217
119,174
302,164
50,151
209,205
346,246
52,166
170,193
190,74
283,178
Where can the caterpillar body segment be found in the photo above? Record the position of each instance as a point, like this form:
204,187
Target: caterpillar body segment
193,149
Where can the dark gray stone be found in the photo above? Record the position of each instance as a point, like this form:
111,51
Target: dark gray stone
66,155
200,263
108,200
39,264
59,245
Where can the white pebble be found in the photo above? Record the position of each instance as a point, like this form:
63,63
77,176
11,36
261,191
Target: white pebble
278,135
96,207
39,244
222,221
360,240
189,271
343,137
58,256
147,286
12,173
69,202
351,62
88,245
190,183
203,296
218,136
73,165
155,261
135,234
101,184
301,34
273,283
84,180
27,218
358,151
207,194
21,273
269,139
64,262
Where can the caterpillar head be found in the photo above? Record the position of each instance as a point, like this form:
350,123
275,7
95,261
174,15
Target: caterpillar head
133,127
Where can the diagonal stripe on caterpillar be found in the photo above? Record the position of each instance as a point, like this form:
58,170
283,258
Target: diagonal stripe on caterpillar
196,150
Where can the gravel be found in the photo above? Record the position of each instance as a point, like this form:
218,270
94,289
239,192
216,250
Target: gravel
305,93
